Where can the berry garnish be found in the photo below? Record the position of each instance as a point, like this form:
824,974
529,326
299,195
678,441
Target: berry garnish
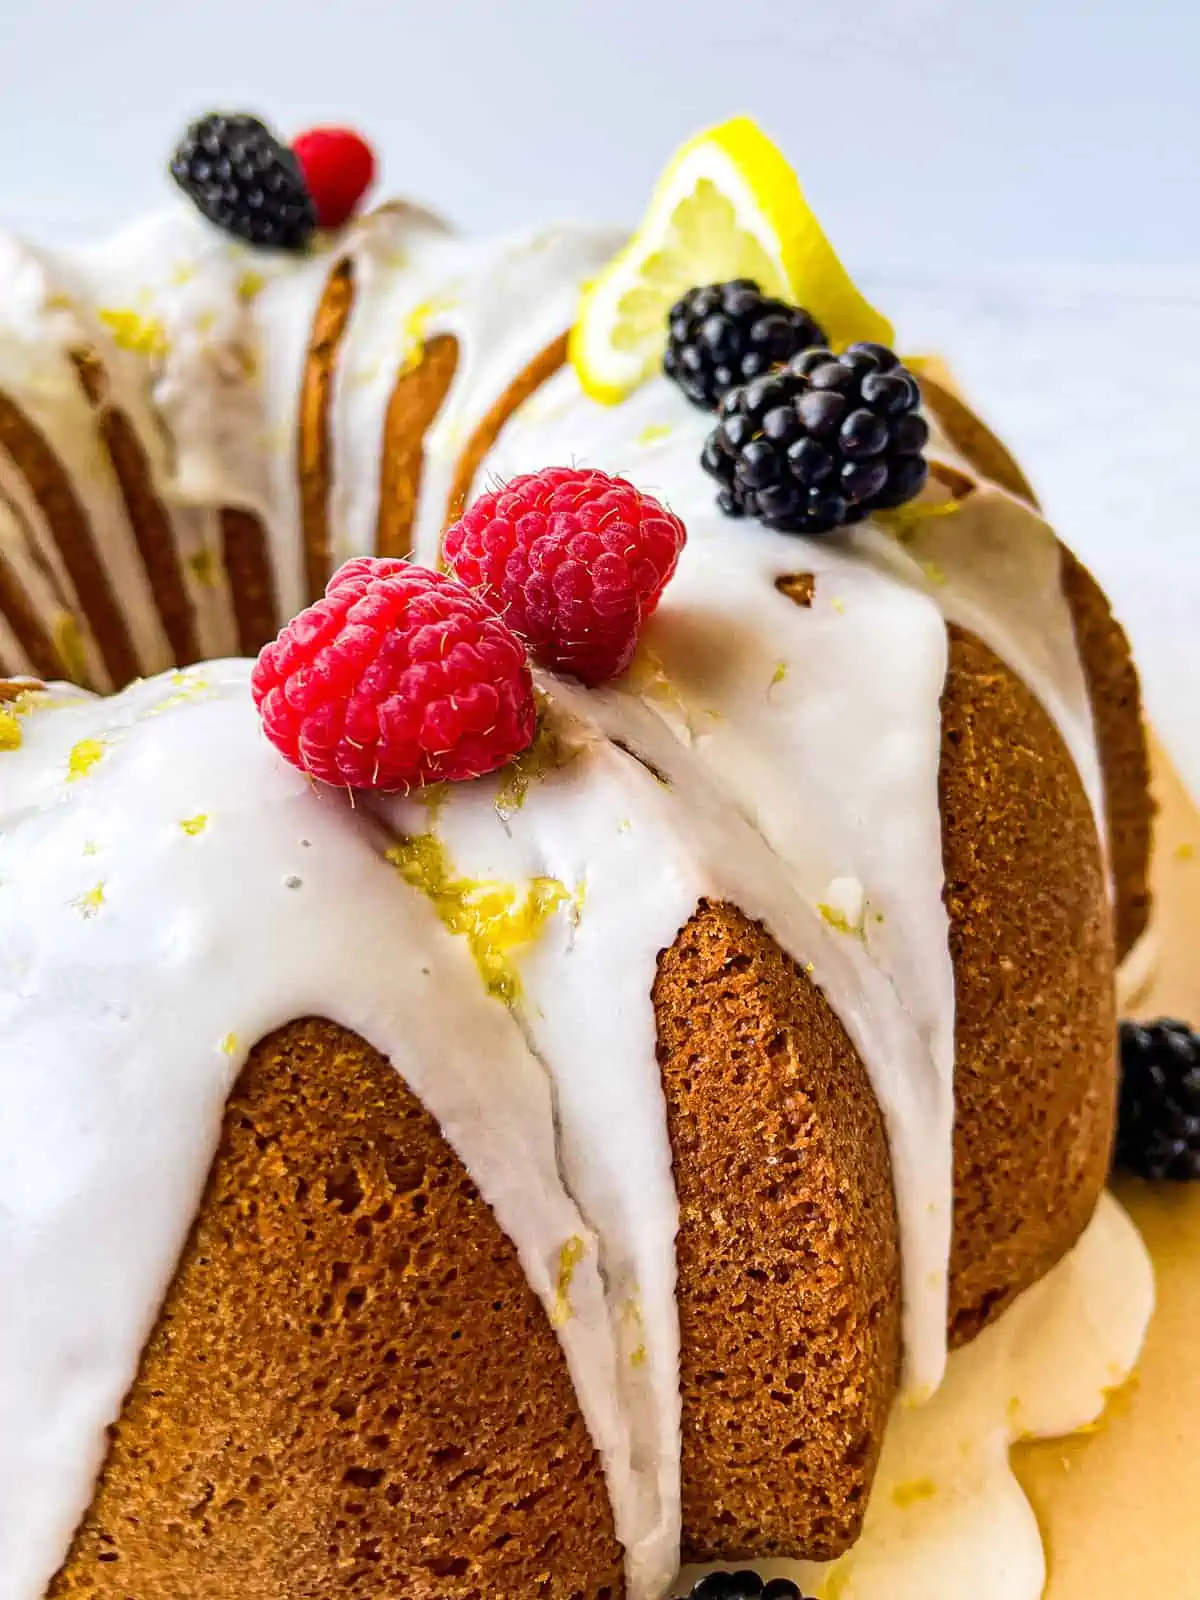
398,677
821,443
575,561
724,334
245,180
1158,1120
338,166
744,1585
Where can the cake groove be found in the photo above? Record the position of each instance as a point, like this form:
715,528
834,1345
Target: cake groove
71,530
148,517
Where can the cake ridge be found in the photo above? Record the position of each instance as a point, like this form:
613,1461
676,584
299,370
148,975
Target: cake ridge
800,748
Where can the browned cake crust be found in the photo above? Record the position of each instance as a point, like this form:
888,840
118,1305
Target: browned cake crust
973,439
313,451
1107,663
789,1299
1031,940
251,583
543,367
415,402
21,615
1121,736
51,487
351,1389
147,515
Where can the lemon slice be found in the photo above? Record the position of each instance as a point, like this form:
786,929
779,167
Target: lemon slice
727,206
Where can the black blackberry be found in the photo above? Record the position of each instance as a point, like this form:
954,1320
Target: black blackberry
245,180
821,443
1158,1120
745,1585
724,334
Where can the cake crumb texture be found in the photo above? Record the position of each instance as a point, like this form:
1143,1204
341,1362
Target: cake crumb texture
1031,941
351,1389
787,1250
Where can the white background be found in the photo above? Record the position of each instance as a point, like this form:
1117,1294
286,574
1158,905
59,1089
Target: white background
1015,180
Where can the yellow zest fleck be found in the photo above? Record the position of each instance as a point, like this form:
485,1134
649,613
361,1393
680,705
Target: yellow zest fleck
653,432
185,272
569,1258
494,918
10,731
416,325
90,901
638,1358
913,1492
905,522
91,848
648,677
1185,851
836,919
69,641
229,1044
194,825
206,321
141,335
203,566
780,673
839,606
83,757
935,572
250,285
625,825
189,685
550,751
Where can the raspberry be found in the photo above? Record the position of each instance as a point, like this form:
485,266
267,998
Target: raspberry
575,561
398,677
339,167
244,180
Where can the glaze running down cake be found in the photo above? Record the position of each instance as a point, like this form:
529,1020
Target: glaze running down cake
526,1185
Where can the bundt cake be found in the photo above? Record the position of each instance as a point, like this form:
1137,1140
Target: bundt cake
520,1186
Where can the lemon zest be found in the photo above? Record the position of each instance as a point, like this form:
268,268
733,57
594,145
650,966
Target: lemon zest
90,901
496,919
140,335
84,755
569,1257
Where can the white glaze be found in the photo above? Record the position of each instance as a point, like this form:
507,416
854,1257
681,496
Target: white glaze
802,745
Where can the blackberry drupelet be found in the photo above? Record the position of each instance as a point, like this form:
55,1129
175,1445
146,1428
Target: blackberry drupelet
723,334
822,443
1158,1119
745,1585
245,181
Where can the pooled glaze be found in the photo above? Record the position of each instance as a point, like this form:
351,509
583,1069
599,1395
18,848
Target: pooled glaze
800,743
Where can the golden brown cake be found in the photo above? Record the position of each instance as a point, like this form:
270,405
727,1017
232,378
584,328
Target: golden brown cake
522,1188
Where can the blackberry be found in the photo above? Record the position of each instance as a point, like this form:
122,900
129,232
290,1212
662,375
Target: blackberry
1158,1119
724,334
746,1585
822,443
245,181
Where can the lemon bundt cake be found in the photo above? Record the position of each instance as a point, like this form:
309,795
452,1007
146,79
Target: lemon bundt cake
521,1185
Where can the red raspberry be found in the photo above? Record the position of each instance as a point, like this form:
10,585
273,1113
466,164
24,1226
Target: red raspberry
398,677
574,562
339,167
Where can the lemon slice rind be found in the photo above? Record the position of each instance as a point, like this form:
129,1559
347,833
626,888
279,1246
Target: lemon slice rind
727,206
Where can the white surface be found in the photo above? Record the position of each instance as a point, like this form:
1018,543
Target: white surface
949,132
